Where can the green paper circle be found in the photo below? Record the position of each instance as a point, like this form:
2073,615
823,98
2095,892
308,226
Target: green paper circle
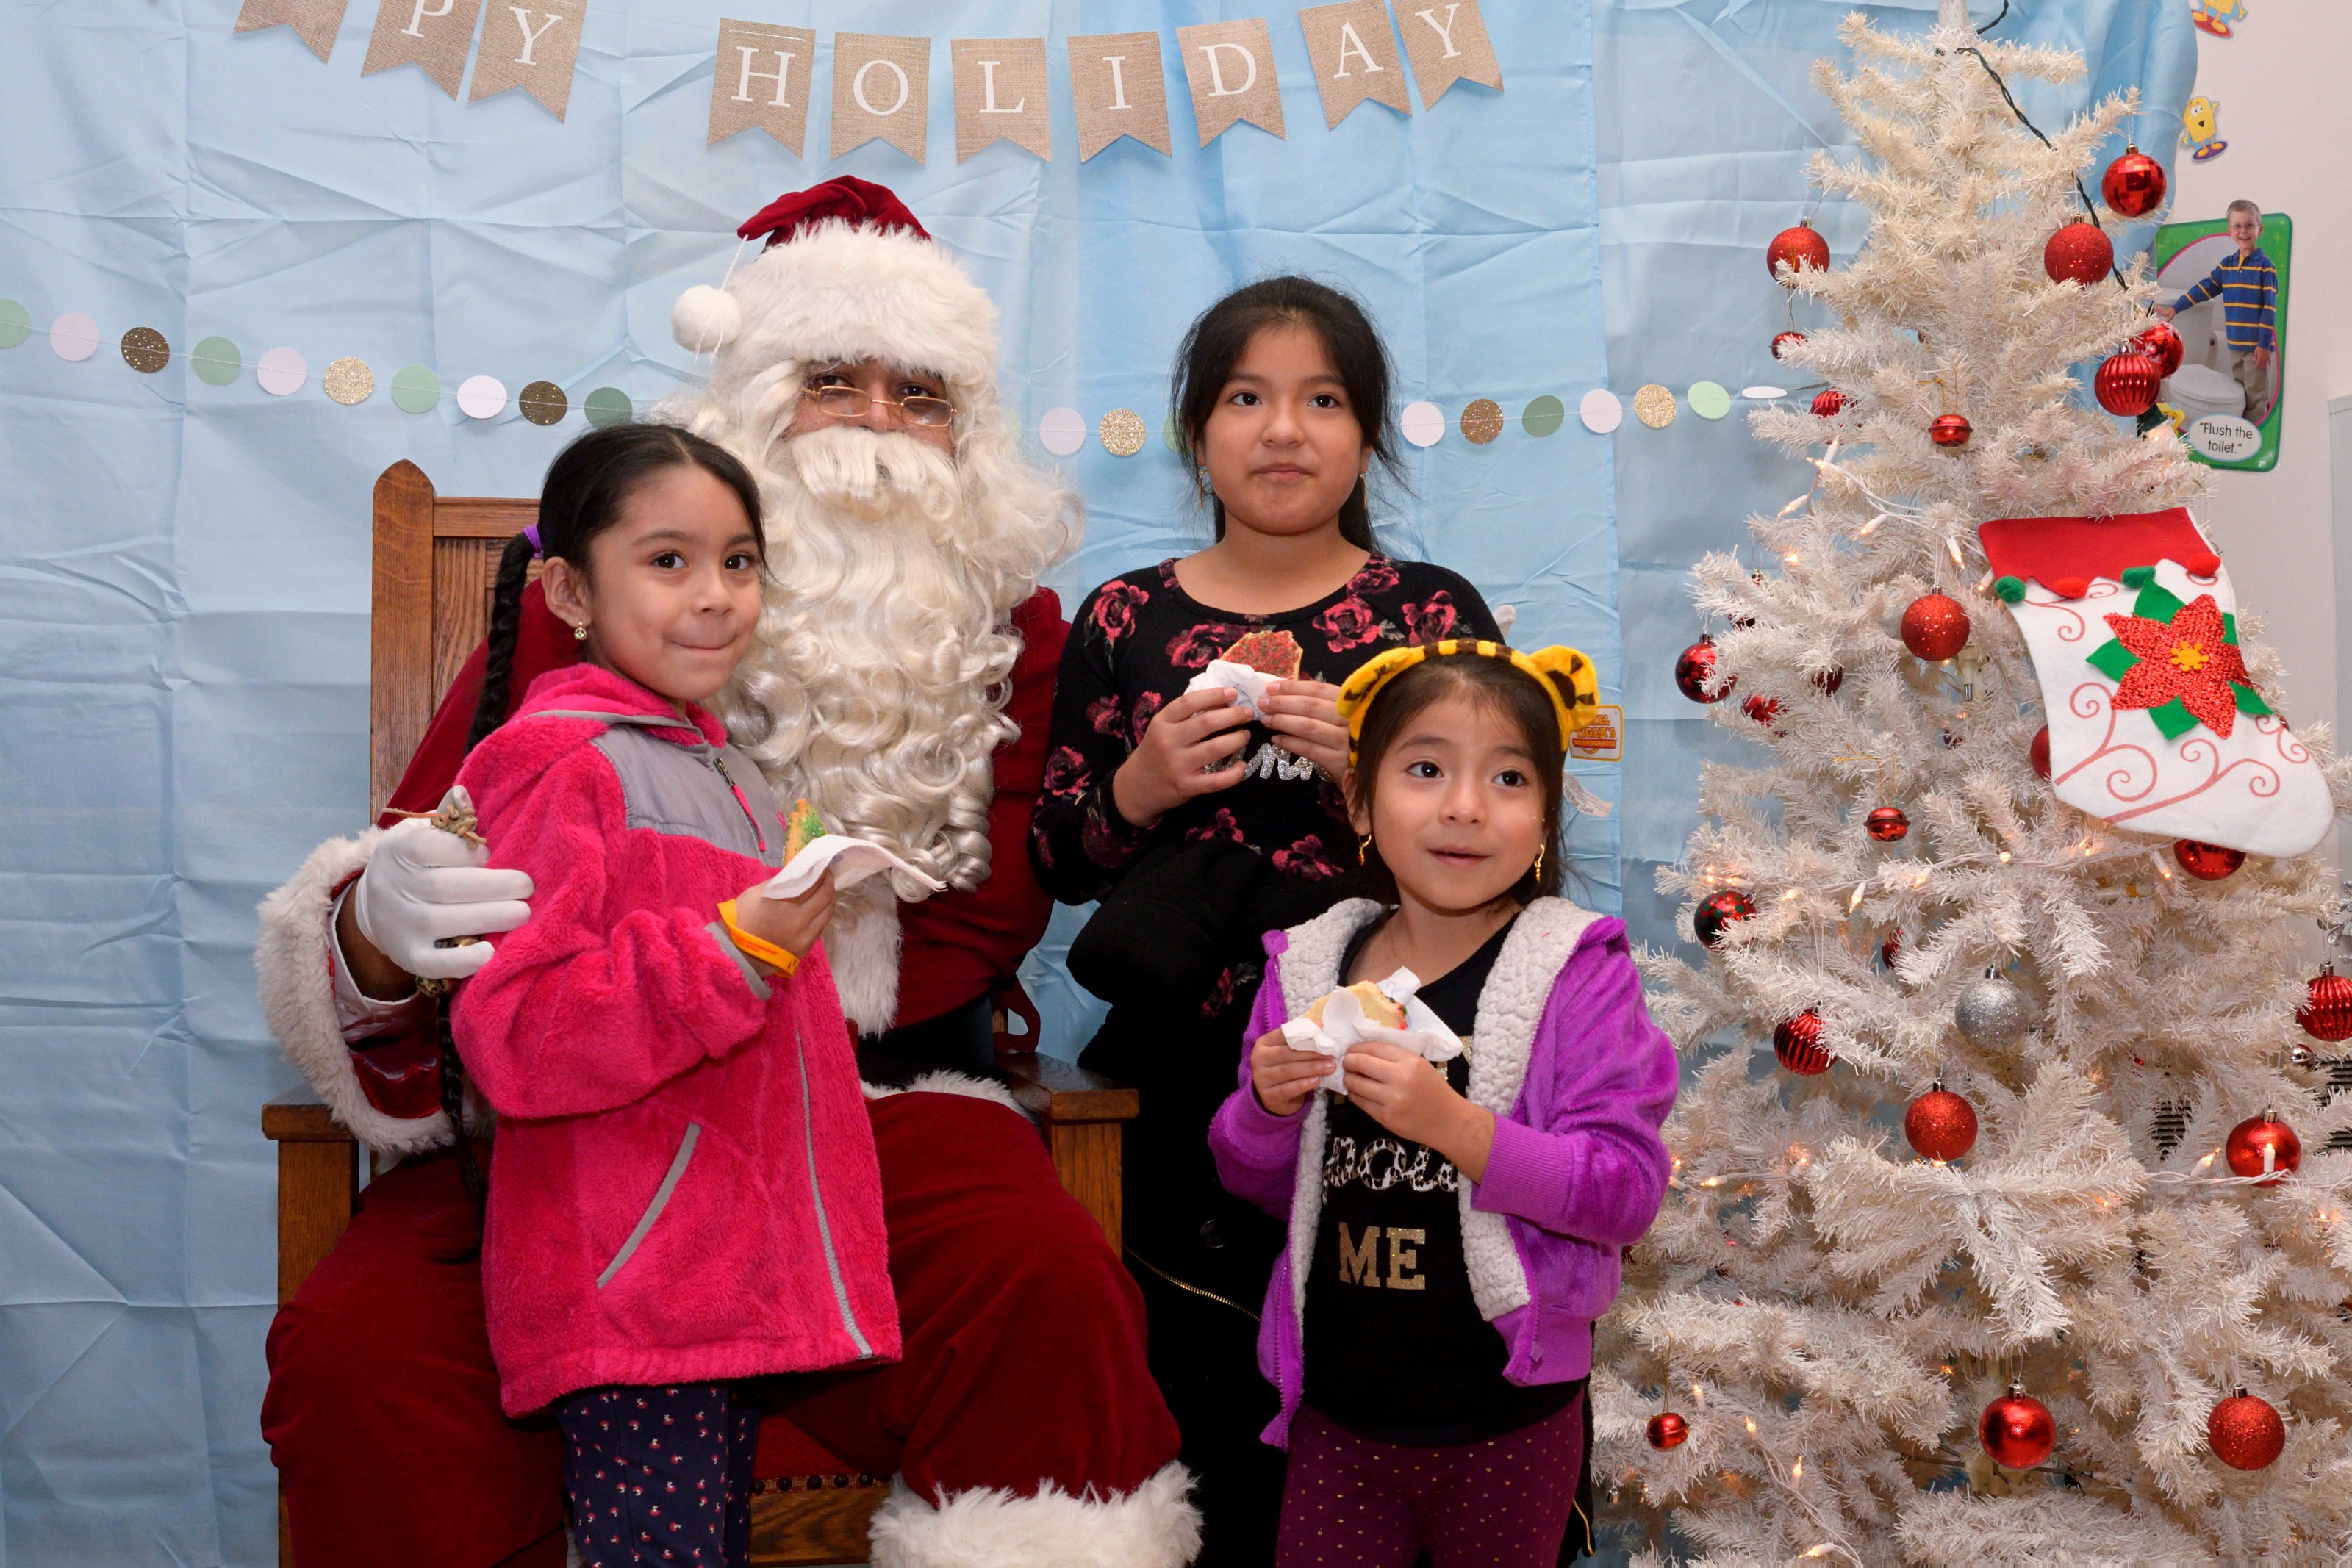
216,361
1544,415
608,405
16,323
1709,401
417,390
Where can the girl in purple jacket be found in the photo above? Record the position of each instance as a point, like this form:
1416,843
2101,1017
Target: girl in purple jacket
1455,1228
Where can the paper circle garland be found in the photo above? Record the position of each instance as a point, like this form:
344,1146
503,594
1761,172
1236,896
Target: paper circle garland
73,337
16,323
1654,405
215,361
1544,415
2134,184
2017,1430
481,397
2326,1010
1482,420
1667,1430
2078,253
2263,1146
349,381
282,372
1601,411
416,390
2245,1432
1423,422
1121,432
1940,1124
608,406
1062,431
2207,863
1796,248
543,402
145,349
1707,400
2126,383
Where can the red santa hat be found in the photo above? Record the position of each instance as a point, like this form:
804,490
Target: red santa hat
848,273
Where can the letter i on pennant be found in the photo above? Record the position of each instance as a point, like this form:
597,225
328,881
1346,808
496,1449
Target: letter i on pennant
1117,88
761,79
534,47
435,33
1446,41
1230,69
1355,57
315,22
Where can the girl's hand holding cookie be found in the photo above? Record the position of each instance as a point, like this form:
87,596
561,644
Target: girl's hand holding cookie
1191,748
1410,1097
1283,1077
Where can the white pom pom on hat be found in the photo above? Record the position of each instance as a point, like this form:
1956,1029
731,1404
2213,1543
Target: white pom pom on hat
705,319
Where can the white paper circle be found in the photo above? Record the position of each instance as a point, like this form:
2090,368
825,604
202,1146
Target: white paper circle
1424,424
482,397
1062,432
280,372
1764,394
74,335
1601,411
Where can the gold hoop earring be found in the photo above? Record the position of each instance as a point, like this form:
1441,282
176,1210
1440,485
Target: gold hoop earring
1537,870
580,633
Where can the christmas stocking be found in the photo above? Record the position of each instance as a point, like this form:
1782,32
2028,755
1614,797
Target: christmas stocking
2153,722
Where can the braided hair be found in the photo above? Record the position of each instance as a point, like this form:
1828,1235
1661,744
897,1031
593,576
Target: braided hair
586,490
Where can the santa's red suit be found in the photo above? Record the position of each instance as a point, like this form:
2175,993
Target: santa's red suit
1022,1424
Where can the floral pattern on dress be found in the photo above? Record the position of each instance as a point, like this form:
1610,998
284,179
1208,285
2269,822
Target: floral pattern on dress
1066,772
1107,715
1224,826
1431,620
1350,623
1193,648
1307,858
1114,609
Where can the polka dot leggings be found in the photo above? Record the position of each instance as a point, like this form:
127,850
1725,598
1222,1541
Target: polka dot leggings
1356,1502
660,1475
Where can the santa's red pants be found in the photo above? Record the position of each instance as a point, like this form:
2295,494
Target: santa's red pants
1023,1364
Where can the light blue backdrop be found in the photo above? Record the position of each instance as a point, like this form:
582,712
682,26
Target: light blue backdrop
183,568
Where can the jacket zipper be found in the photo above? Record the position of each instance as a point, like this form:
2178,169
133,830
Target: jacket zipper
816,1200
750,816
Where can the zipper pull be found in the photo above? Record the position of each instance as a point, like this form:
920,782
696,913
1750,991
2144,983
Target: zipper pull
736,789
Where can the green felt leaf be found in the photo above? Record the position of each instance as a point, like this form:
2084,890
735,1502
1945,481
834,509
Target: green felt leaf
2250,700
2112,659
2173,719
2139,576
2229,628
2156,602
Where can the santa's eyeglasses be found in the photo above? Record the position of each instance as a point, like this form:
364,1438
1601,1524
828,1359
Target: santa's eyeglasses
852,403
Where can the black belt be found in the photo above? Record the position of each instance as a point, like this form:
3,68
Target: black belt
961,1039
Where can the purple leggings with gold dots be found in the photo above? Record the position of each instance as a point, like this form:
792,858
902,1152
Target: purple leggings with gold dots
1357,1503
660,1475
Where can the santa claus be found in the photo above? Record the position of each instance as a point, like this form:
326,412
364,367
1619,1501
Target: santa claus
901,686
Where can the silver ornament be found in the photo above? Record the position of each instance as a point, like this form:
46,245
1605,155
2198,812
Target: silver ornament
1992,1013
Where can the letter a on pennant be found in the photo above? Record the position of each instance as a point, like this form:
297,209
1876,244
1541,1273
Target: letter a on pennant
881,87
1446,41
315,22
999,96
534,47
761,78
1355,57
435,33
1230,68
1118,90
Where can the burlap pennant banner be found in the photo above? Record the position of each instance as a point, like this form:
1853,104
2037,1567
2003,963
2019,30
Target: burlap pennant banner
1230,69
315,22
762,79
435,33
1000,95
1355,57
1446,41
534,47
1118,90
881,87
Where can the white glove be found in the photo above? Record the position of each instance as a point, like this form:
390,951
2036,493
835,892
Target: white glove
424,886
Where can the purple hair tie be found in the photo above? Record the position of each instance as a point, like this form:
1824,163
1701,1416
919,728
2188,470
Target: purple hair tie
532,533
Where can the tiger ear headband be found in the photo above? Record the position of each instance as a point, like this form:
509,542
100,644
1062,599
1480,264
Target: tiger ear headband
1551,668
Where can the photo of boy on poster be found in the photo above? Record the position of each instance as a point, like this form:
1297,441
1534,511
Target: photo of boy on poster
2222,284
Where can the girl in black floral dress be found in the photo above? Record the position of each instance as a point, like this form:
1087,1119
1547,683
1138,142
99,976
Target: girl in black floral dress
1202,825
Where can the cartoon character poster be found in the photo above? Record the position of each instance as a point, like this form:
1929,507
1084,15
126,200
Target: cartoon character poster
2222,283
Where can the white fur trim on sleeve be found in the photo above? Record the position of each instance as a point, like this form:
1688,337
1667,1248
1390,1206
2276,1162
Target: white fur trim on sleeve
1154,1526
292,956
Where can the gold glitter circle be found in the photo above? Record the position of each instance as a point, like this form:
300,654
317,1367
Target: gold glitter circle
1482,420
1654,405
144,350
350,381
1122,433
543,402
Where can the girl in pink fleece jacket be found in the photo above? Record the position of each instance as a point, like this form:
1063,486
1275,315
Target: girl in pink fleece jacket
1454,1227
683,1188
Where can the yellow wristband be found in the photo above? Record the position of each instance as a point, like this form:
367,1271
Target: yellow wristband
766,952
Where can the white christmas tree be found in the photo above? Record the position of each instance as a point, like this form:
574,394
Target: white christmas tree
1817,1343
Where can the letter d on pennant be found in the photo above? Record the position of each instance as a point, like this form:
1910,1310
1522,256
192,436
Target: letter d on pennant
1229,65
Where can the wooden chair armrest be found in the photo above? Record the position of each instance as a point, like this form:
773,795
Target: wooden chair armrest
297,1116
318,1184
1085,1117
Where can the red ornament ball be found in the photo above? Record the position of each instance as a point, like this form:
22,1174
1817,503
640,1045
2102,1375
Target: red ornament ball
1886,823
1827,681
1797,1043
1783,341
2079,252
2037,754
2245,1432
1799,248
1892,948
1940,1124
1950,430
2261,1145
1935,627
2327,1011
1763,710
2017,1430
1719,910
1828,403
2207,863
2159,343
1694,669
2126,384
1668,1430
2134,184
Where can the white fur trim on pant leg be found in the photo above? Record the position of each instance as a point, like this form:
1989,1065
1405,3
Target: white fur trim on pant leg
940,1080
1154,1526
292,955
862,947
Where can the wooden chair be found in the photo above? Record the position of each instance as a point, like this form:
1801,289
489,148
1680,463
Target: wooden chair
436,557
